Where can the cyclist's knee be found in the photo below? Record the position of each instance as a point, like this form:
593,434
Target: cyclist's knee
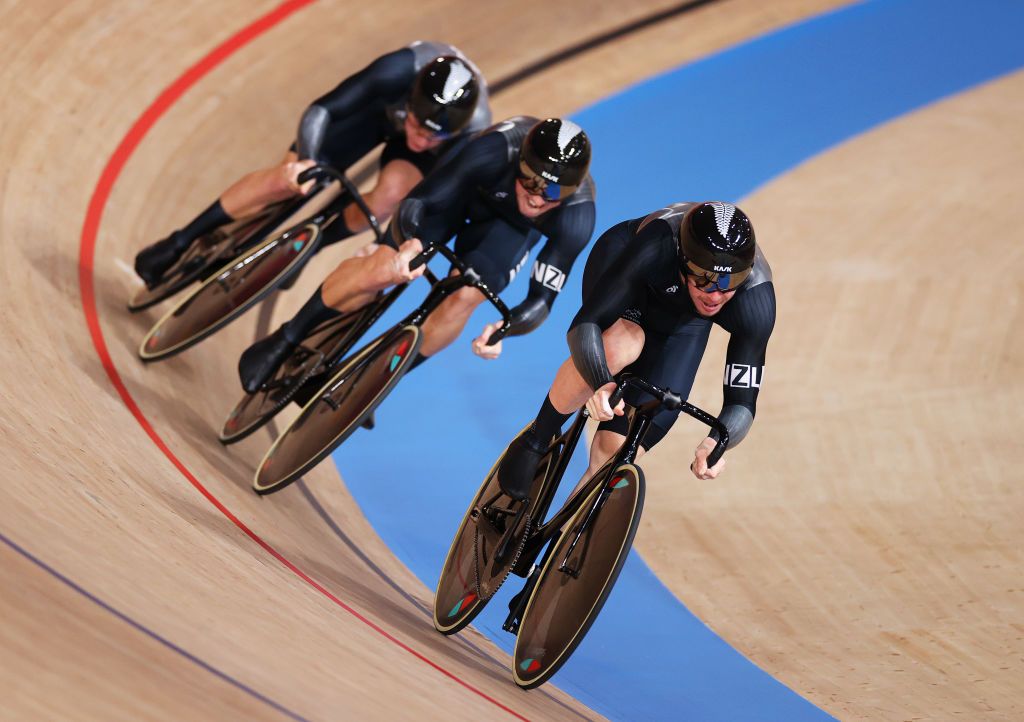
604,445
397,178
623,344
462,303
384,199
368,250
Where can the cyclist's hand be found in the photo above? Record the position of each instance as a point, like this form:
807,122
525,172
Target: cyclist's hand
598,404
480,347
292,171
406,252
699,467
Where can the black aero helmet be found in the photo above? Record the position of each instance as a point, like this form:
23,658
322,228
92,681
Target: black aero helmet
716,246
554,159
444,96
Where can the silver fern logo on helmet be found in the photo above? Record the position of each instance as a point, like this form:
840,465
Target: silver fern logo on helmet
458,76
566,132
724,213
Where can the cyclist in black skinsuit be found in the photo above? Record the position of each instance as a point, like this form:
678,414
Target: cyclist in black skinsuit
518,181
420,101
652,289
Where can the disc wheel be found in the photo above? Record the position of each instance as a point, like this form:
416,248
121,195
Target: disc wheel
311,358
338,409
229,293
574,582
204,252
474,570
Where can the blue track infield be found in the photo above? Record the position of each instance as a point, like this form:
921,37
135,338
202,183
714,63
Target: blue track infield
714,129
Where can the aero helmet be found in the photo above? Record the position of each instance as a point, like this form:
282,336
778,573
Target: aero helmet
716,245
554,159
444,96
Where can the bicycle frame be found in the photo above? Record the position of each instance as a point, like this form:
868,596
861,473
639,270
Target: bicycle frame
439,291
640,421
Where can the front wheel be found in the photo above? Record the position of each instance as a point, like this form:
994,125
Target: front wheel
577,576
338,409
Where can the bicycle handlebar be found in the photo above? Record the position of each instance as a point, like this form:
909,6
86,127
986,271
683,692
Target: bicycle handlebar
473,280
319,171
670,400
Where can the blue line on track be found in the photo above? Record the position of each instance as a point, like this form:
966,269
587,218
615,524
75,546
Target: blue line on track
150,633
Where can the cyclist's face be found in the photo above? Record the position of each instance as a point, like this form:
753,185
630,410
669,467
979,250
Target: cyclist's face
531,205
418,138
708,304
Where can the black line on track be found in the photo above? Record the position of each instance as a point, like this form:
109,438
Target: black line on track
560,56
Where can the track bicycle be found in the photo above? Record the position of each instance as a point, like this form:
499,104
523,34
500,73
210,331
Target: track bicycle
581,547
258,271
363,381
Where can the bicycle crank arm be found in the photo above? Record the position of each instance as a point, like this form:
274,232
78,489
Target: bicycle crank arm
506,541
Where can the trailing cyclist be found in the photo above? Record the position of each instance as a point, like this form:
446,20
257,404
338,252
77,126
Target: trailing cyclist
652,289
497,195
421,101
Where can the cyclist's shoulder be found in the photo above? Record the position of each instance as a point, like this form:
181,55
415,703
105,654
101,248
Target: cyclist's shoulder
513,130
425,51
751,312
760,274
497,144
586,193
667,218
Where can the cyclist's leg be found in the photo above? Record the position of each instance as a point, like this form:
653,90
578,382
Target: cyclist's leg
623,341
153,261
255,191
349,139
352,285
400,170
669,361
250,194
494,249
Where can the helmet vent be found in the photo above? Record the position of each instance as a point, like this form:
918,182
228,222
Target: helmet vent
458,76
566,133
723,216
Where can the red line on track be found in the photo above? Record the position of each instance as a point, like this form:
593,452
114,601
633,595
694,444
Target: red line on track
87,252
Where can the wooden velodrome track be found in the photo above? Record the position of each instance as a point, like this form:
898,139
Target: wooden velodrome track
872,562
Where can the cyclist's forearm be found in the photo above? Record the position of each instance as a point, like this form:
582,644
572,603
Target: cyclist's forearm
737,419
528,315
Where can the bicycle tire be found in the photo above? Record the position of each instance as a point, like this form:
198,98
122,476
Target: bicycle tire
458,598
179,330
562,608
290,456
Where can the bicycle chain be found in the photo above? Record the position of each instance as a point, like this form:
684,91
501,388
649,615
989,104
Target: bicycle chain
508,570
